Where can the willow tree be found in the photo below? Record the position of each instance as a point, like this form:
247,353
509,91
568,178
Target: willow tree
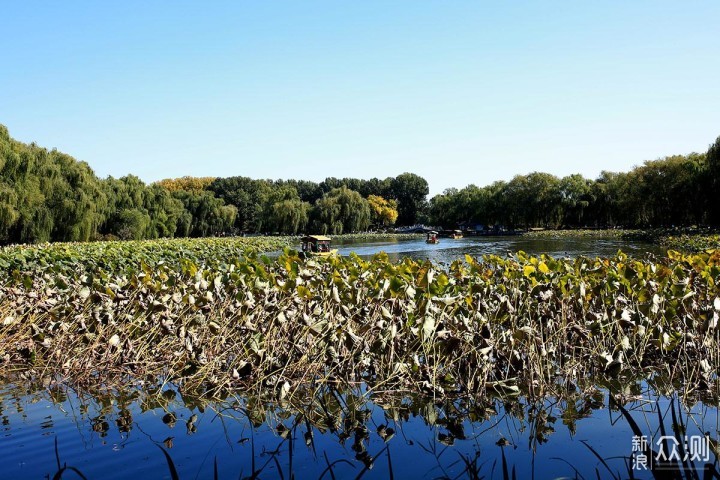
125,215
249,197
342,210
75,198
290,216
575,198
136,210
8,210
166,213
210,215
712,183
9,213
46,195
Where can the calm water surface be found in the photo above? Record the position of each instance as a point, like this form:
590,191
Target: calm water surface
114,435
449,250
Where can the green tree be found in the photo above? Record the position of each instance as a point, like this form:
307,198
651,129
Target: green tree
712,183
131,224
308,191
248,196
125,215
341,211
9,214
166,213
210,216
75,198
575,198
46,195
284,212
290,216
410,191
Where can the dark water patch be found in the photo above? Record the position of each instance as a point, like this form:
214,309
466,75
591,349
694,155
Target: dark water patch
344,434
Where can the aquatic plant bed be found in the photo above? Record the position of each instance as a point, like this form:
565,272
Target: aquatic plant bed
692,243
373,237
685,240
583,232
127,257
217,320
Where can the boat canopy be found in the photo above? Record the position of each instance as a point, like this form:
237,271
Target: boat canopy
317,238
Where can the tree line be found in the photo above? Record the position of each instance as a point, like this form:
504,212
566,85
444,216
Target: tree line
333,206
46,195
672,191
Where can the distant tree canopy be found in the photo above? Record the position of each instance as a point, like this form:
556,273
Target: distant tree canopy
46,195
292,206
669,191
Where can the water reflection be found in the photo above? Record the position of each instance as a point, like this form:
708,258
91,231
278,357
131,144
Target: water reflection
323,431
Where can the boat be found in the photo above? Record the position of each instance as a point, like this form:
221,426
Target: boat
451,234
432,237
317,246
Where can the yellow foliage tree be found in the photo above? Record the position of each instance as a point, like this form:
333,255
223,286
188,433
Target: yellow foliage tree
384,212
188,184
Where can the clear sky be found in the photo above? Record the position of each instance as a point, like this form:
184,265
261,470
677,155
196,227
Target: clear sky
456,91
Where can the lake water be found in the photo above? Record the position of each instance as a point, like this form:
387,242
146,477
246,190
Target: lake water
120,435
340,434
449,250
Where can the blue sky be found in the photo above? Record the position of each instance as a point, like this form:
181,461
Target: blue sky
456,91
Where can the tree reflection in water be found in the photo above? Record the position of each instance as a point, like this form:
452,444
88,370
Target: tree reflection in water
324,431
